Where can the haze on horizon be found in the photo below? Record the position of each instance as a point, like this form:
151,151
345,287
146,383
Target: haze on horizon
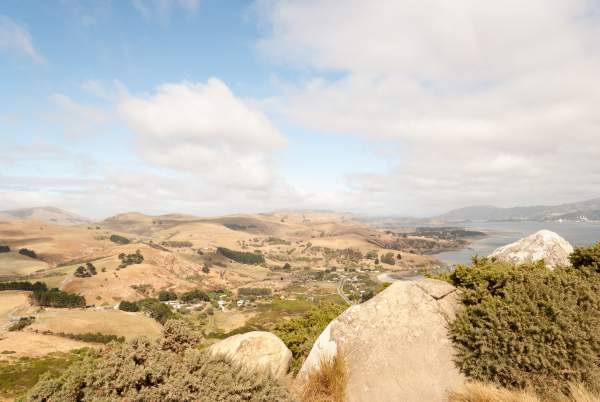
210,107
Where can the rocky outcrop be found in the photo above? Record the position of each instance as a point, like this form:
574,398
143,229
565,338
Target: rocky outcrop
543,245
261,351
395,345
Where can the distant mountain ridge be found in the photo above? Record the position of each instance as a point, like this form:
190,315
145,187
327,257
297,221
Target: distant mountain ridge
52,215
577,211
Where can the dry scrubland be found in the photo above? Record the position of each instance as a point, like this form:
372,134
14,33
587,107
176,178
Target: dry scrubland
305,260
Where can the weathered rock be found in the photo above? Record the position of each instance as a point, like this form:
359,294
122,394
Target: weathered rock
395,345
543,245
257,350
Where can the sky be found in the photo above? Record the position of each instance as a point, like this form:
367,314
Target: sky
210,107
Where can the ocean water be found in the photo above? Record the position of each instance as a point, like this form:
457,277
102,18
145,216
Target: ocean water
503,233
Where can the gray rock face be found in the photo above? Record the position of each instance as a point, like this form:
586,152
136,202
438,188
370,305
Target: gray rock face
261,351
395,345
543,245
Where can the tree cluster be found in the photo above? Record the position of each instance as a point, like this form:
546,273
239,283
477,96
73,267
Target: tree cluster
56,298
130,259
23,285
194,296
85,271
27,252
4,249
119,239
241,256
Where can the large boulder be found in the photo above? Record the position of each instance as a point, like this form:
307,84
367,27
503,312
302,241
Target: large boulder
261,351
543,245
396,345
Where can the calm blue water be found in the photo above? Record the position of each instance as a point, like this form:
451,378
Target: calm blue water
503,233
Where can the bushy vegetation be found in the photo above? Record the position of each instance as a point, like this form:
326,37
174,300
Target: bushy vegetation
129,306
388,258
194,296
29,253
130,259
119,239
17,377
528,326
586,257
300,333
146,370
85,271
155,309
22,323
56,298
241,256
166,295
4,249
23,285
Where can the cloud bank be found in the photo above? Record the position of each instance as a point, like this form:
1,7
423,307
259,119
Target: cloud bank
493,102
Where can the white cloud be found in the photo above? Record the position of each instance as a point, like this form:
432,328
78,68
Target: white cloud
494,102
15,38
205,131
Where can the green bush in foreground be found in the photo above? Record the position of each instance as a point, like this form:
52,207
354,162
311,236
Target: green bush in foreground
147,370
528,326
300,333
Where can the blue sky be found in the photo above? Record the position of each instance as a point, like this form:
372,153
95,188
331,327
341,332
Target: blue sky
212,107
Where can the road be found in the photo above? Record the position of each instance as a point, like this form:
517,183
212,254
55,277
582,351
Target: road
340,291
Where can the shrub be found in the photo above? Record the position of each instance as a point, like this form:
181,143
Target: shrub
119,239
4,249
22,323
241,256
56,298
527,326
166,295
586,257
27,252
194,296
388,258
131,259
128,306
155,309
23,285
371,255
146,370
300,333
205,269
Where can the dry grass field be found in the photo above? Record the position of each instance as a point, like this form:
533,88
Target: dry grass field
29,344
11,300
13,264
79,321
